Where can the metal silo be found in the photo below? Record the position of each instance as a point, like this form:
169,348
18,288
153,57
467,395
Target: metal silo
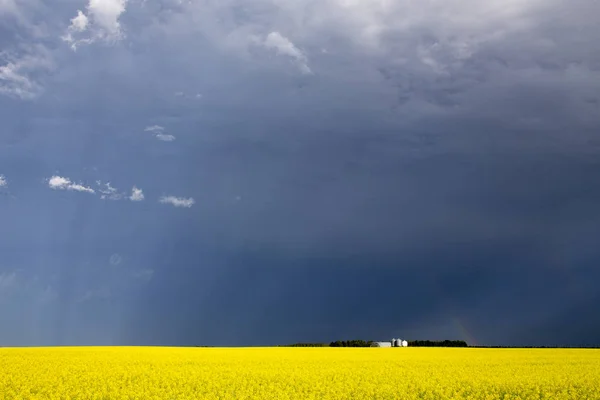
404,343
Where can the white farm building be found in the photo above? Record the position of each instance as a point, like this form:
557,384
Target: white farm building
381,344
392,343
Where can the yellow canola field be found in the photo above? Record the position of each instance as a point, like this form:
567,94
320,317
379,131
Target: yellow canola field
87,373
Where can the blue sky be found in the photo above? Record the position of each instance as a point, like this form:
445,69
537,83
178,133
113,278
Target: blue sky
264,171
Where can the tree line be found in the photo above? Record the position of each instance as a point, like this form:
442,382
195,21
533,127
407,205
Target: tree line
351,343
369,343
435,343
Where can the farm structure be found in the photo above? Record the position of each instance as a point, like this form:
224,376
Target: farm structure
392,343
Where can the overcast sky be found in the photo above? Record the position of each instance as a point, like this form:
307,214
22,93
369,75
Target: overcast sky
256,172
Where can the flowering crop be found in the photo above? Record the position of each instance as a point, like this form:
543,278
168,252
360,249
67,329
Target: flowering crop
94,373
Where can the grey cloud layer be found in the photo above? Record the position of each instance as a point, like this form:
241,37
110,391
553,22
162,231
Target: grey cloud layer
100,22
443,60
452,76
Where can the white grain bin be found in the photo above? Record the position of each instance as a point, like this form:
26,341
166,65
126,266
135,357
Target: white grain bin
398,343
404,343
394,342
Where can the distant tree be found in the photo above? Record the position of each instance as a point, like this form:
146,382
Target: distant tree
443,343
350,343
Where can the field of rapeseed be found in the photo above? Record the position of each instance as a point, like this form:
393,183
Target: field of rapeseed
297,373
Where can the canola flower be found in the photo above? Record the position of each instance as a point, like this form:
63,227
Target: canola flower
168,373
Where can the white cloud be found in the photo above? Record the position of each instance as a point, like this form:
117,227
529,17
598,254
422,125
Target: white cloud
165,138
106,13
80,188
107,192
58,182
13,83
154,128
79,23
136,194
18,71
101,23
24,57
3,181
177,201
61,183
284,46
159,133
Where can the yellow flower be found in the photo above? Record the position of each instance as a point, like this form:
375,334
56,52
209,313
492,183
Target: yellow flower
153,373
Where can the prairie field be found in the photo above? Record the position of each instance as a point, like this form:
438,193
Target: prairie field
87,373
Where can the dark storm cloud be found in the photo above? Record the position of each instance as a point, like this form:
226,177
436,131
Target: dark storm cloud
261,301
372,169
